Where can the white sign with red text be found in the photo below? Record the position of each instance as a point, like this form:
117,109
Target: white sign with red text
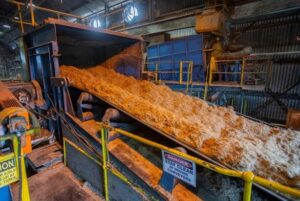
180,168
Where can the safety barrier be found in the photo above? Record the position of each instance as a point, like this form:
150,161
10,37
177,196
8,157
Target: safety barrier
13,174
248,177
180,72
32,13
241,69
15,160
105,165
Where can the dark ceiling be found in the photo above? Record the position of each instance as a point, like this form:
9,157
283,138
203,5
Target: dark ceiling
8,11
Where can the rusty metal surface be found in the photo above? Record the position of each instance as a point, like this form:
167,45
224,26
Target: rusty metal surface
7,99
85,27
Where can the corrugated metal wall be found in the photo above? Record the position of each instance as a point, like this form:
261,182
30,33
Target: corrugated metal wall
270,35
274,35
167,57
182,32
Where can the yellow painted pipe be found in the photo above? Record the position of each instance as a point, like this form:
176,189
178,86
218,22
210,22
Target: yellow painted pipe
189,75
243,71
25,195
200,162
16,151
104,160
46,9
180,72
156,73
81,151
276,186
65,151
20,18
25,188
113,171
248,177
211,67
31,14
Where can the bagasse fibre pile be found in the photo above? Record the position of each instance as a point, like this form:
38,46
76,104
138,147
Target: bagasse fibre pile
216,131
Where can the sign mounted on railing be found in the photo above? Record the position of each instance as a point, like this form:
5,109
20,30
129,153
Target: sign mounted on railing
180,168
8,172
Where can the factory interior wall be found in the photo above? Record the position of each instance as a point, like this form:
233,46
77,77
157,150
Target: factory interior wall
277,34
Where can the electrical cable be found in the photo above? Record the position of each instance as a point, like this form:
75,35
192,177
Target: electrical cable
85,142
72,129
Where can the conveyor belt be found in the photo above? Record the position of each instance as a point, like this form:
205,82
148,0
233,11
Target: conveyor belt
196,152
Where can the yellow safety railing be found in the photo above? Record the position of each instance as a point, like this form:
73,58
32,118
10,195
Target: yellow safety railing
32,13
214,69
248,177
25,196
107,165
245,61
180,72
243,71
104,161
18,151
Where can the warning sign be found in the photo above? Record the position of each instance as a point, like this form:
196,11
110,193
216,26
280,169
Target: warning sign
8,172
183,169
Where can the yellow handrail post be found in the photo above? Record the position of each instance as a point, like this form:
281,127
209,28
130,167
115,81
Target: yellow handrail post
248,179
207,74
104,160
20,18
156,73
16,151
243,71
212,63
32,14
191,72
180,72
25,195
65,152
25,188
189,76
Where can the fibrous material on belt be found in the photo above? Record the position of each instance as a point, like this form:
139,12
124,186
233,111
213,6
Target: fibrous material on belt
218,132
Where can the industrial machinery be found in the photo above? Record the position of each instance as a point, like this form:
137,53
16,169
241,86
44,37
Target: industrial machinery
108,161
17,125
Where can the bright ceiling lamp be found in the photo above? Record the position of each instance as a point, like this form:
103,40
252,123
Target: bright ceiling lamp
96,23
6,26
130,12
28,5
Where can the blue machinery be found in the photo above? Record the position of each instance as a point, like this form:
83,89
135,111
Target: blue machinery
61,43
167,58
180,64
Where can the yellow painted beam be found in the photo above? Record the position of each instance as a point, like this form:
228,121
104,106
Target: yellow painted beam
248,177
46,9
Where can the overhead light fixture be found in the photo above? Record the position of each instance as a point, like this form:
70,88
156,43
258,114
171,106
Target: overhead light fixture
16,18
96,23
13,46
130,13
6,26
29,5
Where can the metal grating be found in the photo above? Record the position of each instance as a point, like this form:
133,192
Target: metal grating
274,35
9,103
